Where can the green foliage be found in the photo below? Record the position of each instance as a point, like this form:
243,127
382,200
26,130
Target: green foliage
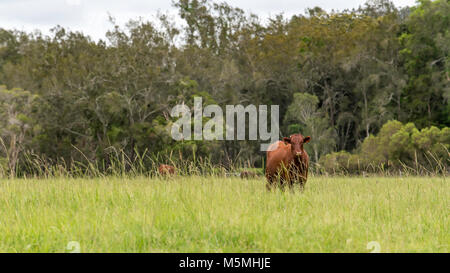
396,147
340,162
425,54
17,109
331,79
304,115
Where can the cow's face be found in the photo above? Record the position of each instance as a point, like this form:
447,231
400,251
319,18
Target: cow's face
297,142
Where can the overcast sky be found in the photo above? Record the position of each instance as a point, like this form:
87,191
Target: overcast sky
91,16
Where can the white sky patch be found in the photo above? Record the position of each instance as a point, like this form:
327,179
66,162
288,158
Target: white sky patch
73,2
91,17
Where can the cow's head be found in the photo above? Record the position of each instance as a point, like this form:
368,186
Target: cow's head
297,142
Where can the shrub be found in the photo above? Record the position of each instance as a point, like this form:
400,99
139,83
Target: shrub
340,162
396,147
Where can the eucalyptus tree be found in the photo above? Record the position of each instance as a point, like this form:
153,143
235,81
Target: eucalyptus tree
16,124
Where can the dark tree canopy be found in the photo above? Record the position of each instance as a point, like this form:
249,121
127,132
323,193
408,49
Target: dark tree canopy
357,69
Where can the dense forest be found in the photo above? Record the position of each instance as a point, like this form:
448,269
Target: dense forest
371,83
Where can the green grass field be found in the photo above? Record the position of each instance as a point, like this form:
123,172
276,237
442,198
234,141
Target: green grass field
208,214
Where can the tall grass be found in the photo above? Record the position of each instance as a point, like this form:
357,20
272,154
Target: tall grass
123,205
431,165
120,164
216,214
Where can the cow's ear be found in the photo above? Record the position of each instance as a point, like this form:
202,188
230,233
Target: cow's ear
287,139
306,139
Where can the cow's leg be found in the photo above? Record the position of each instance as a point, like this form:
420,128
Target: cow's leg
288,181
304,177
280,180
301,175
292,178
286,177
299,181
270,180
269,185
302,186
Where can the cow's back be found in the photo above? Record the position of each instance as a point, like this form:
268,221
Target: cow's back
166,169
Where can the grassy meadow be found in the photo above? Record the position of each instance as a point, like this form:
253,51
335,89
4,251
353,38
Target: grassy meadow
216,214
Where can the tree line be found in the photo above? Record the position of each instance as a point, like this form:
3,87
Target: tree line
338,76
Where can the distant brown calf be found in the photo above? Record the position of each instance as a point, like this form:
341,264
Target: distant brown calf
288,162
247,174
166,170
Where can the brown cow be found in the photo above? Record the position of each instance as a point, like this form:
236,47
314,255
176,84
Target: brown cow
248,174
288,162
166,170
